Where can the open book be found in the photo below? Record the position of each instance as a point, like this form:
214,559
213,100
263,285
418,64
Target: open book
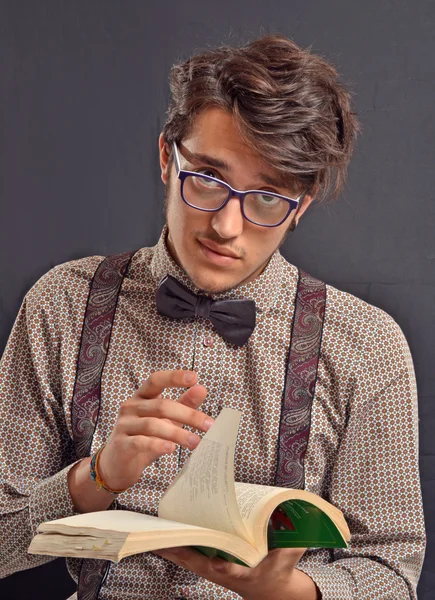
204,508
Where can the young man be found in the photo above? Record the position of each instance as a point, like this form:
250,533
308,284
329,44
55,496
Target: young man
273,120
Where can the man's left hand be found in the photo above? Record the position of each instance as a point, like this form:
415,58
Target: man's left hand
275,576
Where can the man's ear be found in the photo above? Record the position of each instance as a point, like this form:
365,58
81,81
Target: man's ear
164,158
304,204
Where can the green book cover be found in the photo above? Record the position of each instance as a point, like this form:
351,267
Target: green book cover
300,524
293,524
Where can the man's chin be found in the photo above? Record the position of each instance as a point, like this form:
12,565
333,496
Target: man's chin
212,284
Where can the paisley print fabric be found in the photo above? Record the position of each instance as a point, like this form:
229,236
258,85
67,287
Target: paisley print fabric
300,381
93,349
92,574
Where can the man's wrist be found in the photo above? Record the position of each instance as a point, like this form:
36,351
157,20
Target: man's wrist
85,494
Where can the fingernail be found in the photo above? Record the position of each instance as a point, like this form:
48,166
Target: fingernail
192,441
190,378
208,423
168,447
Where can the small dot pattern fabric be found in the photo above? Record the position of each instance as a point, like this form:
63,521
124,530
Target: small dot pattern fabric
362,450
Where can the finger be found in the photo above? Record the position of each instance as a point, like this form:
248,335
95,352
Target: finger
194,396
162,429
153,447
219,571
160,380
174,411
288,556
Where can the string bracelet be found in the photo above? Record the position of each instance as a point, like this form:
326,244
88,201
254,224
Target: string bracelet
95,474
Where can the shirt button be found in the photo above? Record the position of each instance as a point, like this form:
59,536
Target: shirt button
208,341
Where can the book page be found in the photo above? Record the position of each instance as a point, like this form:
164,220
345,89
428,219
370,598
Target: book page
203,492
251,499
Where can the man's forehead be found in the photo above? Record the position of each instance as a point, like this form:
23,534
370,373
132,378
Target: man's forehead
215,140
216,158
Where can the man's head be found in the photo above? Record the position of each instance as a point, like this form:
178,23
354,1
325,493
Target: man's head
268,116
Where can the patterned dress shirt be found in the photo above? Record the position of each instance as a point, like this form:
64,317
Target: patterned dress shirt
362,453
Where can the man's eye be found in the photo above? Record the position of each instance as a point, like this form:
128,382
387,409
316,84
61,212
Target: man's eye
208,172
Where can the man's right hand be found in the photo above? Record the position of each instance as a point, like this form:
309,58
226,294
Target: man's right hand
148,426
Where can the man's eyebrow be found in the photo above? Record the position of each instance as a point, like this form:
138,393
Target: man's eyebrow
205,158
221,164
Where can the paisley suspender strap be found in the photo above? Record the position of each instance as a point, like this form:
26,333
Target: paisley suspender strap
92,575
94,345
306,338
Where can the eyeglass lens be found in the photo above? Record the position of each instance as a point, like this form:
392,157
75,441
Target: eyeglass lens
262,208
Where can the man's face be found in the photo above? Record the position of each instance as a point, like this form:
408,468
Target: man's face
215,135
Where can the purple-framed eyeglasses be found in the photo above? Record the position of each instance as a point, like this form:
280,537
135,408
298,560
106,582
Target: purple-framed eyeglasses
210,194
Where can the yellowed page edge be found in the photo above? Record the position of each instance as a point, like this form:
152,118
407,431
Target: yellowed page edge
107,548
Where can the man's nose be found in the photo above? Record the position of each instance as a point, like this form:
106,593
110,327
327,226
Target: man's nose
229,221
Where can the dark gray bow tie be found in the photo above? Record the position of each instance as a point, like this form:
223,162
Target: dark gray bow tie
234,320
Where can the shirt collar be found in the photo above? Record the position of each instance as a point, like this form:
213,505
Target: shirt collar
264,289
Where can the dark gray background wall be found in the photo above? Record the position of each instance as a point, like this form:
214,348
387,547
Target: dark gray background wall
84,94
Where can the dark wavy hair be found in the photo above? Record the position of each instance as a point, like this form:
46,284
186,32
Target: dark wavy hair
288,103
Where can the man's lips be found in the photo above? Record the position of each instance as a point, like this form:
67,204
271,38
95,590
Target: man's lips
218,249
217,257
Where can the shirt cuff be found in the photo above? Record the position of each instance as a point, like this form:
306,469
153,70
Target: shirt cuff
333,583
50,499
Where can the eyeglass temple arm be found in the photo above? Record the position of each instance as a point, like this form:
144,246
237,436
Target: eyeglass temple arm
177,158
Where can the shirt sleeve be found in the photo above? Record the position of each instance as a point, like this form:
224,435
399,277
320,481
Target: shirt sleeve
375,483
36,450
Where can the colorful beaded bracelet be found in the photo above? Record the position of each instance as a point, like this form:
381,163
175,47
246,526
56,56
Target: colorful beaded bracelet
95,475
